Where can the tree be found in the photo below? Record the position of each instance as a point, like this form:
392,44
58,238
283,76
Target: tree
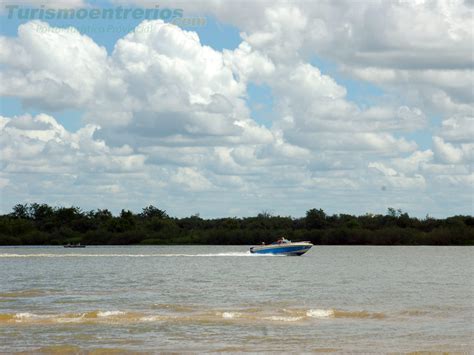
103,215
21,211
392,212
41,211
123,223
265,214
152,212
67,214
315,219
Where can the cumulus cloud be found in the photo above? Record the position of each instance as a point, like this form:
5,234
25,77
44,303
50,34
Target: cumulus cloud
167,116
422,50
40,144
448,153
458,129
52,69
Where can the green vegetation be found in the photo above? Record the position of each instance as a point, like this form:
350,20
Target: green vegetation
40,224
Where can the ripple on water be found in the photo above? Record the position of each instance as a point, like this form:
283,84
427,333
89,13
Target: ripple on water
182,314
25,293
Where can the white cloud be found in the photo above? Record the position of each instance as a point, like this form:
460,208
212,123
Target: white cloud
458,129
191,179
446,152
249,63
56,69
167,116
383,169
40,144
422,51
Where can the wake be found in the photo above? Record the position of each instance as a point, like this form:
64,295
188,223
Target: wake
83,255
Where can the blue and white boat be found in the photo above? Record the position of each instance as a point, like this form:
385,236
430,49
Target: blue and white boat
282,247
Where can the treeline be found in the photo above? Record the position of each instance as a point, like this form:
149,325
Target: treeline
40,224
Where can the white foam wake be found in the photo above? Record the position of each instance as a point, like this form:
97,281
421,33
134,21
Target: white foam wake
284,319
151,318
74,255
25,315
230,315
109,313
320,313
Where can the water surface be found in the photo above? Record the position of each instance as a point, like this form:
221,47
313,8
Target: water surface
216,298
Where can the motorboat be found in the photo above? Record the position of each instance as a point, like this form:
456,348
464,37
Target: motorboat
74,246
282,246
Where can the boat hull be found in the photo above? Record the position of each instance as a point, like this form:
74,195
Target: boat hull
291,249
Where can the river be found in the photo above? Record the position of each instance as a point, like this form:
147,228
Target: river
221,298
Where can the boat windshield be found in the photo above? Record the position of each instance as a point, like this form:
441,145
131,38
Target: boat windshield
282,241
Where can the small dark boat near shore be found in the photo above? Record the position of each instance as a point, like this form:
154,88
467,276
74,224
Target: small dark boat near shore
74,246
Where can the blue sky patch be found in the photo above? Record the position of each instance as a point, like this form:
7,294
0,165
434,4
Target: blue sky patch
260,101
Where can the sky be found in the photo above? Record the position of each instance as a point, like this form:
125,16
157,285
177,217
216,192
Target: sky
249,106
